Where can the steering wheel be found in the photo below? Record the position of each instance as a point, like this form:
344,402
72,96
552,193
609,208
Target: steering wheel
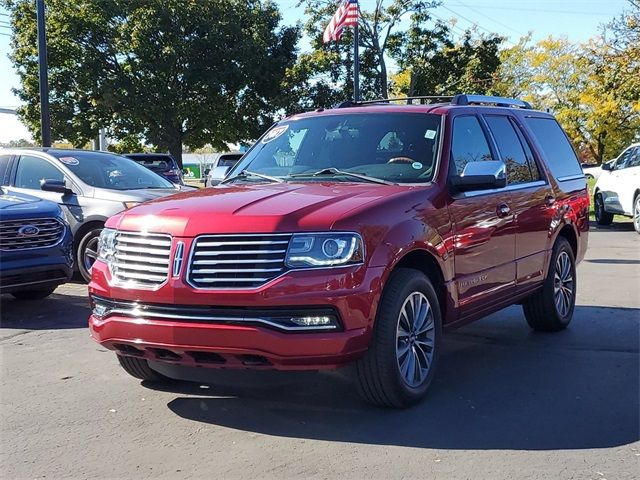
401,160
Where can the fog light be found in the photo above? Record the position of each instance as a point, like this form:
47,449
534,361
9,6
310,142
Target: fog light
311,321
100,310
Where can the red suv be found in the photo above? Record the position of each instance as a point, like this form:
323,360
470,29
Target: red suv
355,234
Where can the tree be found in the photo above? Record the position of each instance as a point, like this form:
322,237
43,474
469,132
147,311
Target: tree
324,76
175,71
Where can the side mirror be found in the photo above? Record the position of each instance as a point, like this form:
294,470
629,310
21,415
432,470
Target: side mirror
485,175
51,185
607,166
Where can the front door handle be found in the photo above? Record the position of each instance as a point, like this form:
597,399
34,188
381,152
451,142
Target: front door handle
503,210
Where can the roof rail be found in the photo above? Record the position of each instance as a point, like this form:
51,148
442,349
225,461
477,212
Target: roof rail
423,100
488,100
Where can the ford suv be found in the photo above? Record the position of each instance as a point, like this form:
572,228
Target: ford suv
351,235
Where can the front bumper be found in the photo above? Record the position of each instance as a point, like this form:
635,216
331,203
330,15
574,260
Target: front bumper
219,329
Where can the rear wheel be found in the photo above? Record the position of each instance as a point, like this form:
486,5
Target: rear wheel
400,363
35,294
636,214
602,216
139,368
87,252
551,309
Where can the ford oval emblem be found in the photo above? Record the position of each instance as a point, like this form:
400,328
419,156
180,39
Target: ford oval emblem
28,231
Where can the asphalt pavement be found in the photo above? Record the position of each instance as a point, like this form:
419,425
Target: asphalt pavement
506,402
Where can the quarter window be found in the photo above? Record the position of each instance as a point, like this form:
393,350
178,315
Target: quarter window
469,143
513,149
33,169
557,150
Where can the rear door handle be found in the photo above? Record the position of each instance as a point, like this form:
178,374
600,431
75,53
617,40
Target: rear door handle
503,210
549,200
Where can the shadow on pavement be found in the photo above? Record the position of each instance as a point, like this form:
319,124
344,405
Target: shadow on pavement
58,311
615,226
614,261
499,386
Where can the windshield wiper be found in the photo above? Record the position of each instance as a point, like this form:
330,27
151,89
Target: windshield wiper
335,171
247,174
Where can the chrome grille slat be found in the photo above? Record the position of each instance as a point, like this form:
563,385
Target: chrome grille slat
50,233
141,265
231,261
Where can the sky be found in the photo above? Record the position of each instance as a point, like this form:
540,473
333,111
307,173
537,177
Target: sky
578,20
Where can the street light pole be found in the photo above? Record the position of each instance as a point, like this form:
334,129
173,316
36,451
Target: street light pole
45,121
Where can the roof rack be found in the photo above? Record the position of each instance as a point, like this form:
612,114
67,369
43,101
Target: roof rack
462,99
488,100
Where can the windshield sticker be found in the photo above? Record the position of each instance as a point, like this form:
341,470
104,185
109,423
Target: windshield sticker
69,160
416,165
274,133
430,134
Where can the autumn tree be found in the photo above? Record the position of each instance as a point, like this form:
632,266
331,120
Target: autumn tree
177,72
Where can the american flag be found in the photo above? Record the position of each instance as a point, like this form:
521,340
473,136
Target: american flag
345,16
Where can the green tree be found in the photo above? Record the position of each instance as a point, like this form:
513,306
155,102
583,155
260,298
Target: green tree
178,72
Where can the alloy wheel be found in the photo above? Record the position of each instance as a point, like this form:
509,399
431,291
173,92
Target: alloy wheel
636,214
90,253
563,285
415,339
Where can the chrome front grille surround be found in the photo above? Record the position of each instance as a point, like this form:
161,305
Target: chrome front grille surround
236,261
141,259
30,233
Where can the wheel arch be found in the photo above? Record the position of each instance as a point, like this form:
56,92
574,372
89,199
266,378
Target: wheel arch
84,229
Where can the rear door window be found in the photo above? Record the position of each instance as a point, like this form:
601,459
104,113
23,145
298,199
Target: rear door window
4,169
558,152
513,150
469,144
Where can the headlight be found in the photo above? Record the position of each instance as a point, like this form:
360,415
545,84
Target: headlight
107,246
324,250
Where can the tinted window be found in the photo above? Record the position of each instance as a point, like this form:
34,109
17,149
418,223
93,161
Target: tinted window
104,170
4,165
625,159
398,147
469,143
33,169
160,163
513,150
634,160
558,152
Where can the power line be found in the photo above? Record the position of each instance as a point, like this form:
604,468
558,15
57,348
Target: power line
476,24
491,19
539,10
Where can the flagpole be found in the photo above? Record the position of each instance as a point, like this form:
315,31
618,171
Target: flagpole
356,65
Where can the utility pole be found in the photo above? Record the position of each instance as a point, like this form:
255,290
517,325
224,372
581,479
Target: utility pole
43,78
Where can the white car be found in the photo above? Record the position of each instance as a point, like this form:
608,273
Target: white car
591,171
216,173
617,191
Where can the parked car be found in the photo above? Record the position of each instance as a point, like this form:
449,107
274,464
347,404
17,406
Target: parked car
36,246
617,191
354,234
591,171
161,163
217,171
90,186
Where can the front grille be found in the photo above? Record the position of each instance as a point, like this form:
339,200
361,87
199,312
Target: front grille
142,259
20,234
237,261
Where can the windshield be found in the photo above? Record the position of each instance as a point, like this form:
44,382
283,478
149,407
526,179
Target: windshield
104,170
396,147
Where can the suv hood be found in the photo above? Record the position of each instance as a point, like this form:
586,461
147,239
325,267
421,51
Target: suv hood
259,208
17,206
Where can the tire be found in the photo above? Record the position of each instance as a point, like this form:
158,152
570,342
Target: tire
636,214
139,368
35,294
87,252
551,308
379,377
602,216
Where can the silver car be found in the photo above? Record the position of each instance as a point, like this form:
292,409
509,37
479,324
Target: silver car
90,186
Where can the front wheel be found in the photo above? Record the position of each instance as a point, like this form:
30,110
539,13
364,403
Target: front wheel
87,252
551,308
400,364
602,216
636,214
